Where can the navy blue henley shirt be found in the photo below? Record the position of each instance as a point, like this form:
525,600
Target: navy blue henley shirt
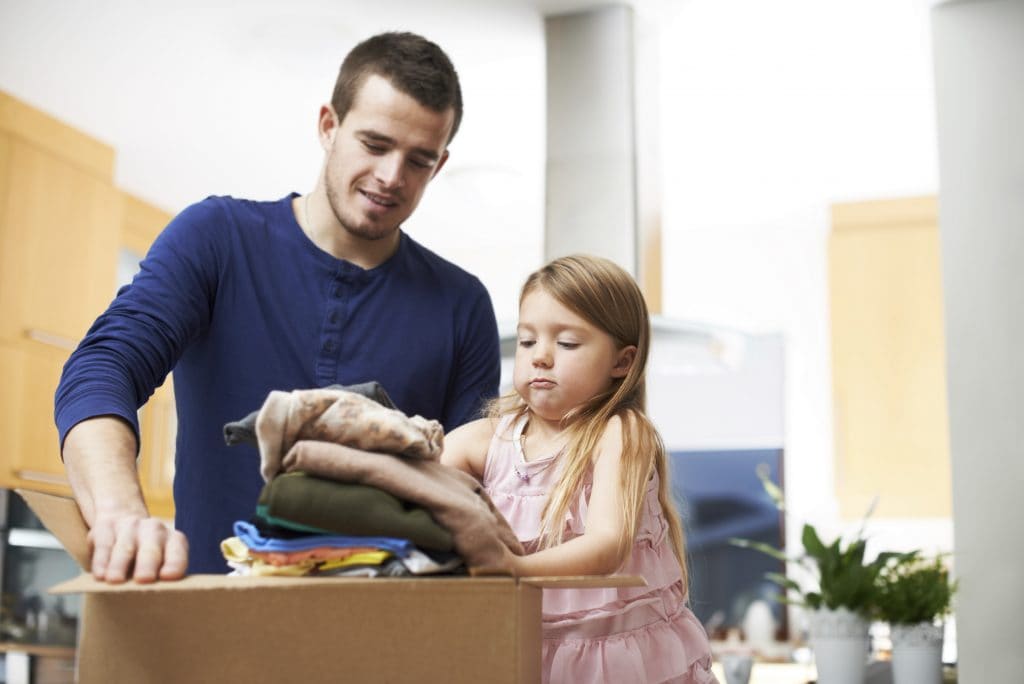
235,298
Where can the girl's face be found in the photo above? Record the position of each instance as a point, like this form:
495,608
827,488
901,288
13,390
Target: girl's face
561,359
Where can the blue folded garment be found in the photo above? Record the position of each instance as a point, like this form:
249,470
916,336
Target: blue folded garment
252,538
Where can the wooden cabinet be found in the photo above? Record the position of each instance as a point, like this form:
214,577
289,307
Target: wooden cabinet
60,232
59,227
63,224
888,359
30,453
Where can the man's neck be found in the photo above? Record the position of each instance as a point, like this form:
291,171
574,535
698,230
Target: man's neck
332,238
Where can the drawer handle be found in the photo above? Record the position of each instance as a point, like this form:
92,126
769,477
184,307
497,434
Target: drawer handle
38,476
51,339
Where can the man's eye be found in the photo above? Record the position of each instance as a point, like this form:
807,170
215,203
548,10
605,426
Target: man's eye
376,149
420,164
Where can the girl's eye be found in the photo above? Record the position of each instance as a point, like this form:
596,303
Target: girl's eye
526,343
568,345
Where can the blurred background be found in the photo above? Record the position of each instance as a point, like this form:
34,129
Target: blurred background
769,171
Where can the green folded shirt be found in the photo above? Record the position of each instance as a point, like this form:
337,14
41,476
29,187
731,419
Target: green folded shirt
305,503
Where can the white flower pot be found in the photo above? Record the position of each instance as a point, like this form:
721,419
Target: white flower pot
916,653
840,642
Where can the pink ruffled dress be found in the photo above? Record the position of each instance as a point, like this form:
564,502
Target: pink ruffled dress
627,634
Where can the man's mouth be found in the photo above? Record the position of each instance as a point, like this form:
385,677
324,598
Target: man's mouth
382,201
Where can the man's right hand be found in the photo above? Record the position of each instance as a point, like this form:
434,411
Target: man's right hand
124,540
126,546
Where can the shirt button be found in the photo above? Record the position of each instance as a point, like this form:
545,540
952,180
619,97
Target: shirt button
333,318
337,290
329,346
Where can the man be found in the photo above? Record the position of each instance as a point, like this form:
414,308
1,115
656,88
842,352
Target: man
241,298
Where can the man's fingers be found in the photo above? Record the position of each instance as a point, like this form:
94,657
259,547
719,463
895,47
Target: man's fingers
101,541
175,556
122,554
141,548
149,554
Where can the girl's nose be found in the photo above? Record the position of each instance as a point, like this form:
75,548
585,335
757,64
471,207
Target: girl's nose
541,355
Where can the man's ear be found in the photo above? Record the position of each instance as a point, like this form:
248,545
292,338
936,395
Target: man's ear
327,126
440,163
624,361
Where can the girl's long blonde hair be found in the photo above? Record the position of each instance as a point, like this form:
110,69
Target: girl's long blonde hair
607,297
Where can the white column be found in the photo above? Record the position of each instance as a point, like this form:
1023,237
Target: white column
591,142
979,78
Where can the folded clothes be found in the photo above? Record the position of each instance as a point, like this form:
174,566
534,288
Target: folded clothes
340,417
319,554
255,541
455,499
310,504
244,431
245,561
333,561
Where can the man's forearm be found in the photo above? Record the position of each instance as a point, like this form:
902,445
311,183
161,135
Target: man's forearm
99,456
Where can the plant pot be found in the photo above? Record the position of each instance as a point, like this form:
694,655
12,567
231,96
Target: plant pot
916,653
840,642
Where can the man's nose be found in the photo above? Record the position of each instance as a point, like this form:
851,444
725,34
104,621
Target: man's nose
389,171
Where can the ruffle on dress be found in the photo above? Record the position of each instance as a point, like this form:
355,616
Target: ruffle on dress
672,648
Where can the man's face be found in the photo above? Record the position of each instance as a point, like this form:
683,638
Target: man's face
381,157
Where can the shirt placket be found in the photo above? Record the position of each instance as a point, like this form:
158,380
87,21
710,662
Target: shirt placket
335,314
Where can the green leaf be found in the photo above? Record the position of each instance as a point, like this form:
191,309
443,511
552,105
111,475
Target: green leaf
763,548
783,581
812,543
773,491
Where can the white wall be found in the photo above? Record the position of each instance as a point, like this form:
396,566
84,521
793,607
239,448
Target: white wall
771,112
203,98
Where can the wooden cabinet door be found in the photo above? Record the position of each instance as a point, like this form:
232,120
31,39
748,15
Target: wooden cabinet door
59,231
30,454
888,359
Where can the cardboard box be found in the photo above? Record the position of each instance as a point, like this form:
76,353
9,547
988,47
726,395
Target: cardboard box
215,628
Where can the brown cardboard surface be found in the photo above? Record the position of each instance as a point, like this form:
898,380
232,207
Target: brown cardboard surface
86,584
218,628
62,517
457,630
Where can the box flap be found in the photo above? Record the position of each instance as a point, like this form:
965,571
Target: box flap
585,581
61,516
87,584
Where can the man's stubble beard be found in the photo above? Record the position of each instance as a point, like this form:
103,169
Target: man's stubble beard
371,233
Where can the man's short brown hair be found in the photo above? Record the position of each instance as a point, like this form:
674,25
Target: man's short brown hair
411,63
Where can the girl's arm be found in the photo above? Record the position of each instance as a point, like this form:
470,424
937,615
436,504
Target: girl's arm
600,550
465,447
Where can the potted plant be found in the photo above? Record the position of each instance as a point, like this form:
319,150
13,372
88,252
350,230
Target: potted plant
914,595
842,599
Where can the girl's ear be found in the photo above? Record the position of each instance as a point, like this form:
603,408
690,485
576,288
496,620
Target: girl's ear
624,361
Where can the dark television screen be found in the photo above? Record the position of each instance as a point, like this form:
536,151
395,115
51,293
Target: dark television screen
720,498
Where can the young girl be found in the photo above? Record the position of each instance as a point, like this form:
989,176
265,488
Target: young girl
574,464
